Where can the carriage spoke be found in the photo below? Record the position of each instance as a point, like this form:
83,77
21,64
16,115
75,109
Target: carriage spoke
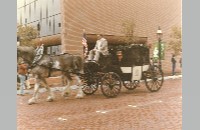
111,85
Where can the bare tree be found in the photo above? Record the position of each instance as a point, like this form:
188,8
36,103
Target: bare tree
26,34
175,42
128,29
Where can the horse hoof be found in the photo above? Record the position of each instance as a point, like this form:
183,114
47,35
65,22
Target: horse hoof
79,97
49,99
31,101
65,94
66,98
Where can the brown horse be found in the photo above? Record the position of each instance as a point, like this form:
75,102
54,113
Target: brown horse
65,65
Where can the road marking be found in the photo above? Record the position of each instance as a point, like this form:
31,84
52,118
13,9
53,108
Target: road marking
132,106
61,119
102,111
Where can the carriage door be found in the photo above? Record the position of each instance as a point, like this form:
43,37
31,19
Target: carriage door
136,73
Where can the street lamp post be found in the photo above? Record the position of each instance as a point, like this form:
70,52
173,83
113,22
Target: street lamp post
159,35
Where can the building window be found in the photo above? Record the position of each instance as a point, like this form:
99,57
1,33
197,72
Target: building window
54,25
34,6
49,25
41,12
59,24
29,11
47,11
38,26
49,50
54,50
20,16
25,20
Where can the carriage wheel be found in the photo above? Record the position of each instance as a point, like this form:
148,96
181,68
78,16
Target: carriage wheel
111,84
90,89
131,85
154,80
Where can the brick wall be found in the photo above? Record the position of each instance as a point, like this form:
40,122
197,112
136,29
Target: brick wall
106,16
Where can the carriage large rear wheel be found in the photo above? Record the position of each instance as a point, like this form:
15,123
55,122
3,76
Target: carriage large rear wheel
154,79
111,84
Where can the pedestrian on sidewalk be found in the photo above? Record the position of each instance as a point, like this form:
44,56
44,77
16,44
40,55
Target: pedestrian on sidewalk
173,60
22,71
180,61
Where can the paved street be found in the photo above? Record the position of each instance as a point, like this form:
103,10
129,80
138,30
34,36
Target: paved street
130,110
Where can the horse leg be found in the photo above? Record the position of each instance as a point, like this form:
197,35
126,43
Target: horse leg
67,89
50,97
28,84
35,93
80,93
63,80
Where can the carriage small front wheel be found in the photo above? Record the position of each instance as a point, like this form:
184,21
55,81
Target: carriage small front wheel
111,84
154,78
90,88
131,85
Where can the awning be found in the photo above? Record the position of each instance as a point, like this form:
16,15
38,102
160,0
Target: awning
112,39
49,40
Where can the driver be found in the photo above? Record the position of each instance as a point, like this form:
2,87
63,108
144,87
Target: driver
39,52
101,47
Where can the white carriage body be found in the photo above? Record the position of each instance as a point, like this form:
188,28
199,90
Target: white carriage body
136,71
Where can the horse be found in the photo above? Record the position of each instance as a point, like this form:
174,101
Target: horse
68,66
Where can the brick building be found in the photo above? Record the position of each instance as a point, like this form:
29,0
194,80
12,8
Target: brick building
62,21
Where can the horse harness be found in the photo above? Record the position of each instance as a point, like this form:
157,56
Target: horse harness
50,67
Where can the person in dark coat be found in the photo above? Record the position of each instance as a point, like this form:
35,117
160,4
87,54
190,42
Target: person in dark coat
173,60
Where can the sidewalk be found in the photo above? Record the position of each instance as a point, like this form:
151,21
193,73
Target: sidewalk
60,88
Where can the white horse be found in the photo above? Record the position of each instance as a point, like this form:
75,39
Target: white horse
67,66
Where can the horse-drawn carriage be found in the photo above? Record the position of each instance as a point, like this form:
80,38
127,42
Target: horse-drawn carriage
126,65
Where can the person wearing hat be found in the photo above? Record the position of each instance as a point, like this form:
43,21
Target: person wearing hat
101,47
22,71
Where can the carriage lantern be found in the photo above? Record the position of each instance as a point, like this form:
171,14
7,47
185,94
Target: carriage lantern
159,35
119,55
